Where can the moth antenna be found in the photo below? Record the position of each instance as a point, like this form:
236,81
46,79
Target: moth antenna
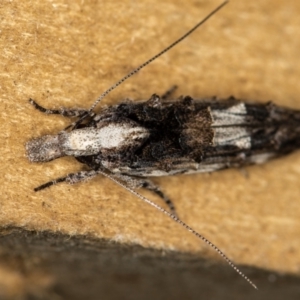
148,62
179,221
156,56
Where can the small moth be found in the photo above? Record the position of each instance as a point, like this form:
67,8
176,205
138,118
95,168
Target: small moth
133,141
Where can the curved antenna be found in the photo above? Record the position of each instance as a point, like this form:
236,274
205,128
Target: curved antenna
74,124
176,219
156,56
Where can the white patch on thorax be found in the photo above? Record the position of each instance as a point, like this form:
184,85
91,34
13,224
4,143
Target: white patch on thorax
89,141
226,126
116,135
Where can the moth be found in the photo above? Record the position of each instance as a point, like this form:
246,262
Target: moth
132,141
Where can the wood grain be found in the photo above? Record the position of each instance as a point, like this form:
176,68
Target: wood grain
66,53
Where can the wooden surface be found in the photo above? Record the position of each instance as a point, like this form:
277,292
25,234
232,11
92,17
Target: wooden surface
66,53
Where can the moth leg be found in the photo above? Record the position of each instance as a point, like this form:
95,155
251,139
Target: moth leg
71,178
136,183
149,185
169,92
66,112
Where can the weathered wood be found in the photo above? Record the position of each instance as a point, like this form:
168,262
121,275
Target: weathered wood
66,54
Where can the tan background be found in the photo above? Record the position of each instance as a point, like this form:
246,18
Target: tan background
66,53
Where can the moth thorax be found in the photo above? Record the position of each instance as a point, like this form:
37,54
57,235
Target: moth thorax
113,136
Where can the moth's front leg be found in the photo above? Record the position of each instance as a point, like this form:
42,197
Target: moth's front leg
71,178
66,112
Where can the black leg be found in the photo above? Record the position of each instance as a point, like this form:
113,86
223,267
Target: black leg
66,112
169,92
136,183
155,189
70,178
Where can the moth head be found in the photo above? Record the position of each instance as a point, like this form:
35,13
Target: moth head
44,148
